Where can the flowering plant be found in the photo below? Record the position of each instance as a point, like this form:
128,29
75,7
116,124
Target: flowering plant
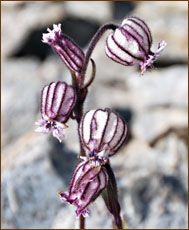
101,131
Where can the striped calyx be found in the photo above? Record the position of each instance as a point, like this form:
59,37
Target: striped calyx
102,132
57,102
86,185
130,44
68,51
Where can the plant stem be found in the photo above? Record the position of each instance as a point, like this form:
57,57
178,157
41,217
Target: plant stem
82,153
79,114
92,45
82,222
79,108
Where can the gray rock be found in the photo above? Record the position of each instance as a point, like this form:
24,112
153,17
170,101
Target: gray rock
98,11
167,22
19,22
149,125
152,183
168,87
30,182
19,97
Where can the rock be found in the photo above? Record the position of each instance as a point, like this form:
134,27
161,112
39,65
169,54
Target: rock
19,98
30,182
167,21
168,87
23,80
65,218
18,30
152,124
152,180
99,216
98,11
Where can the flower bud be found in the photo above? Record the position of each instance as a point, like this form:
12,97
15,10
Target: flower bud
130,44
87,183
68,51
57,102
102,132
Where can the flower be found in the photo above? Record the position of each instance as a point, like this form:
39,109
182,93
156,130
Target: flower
102,132
69,51
130,44
57,102
87,183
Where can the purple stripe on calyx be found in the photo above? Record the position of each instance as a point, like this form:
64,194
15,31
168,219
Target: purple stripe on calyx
144,29
117,143
91,173
63,97
81,132
55,96
104,131
85,191
43,101
121,41
140,38
115,131
122,139
68,101
78,166
97,189
78,55
74,178
48,99
91,126
134,30
92,192
121,125
66,59
74,47
73,57
127,33
126,51
117,58
108,136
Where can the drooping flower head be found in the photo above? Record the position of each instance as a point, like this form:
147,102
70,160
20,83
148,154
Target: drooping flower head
87,183
69,51
131,43
102,132
57,102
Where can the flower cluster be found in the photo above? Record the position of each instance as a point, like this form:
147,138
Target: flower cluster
101,132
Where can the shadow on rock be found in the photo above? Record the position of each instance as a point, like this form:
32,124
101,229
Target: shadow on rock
81,31
164,188
63,160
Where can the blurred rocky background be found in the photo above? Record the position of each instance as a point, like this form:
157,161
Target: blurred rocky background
151,168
